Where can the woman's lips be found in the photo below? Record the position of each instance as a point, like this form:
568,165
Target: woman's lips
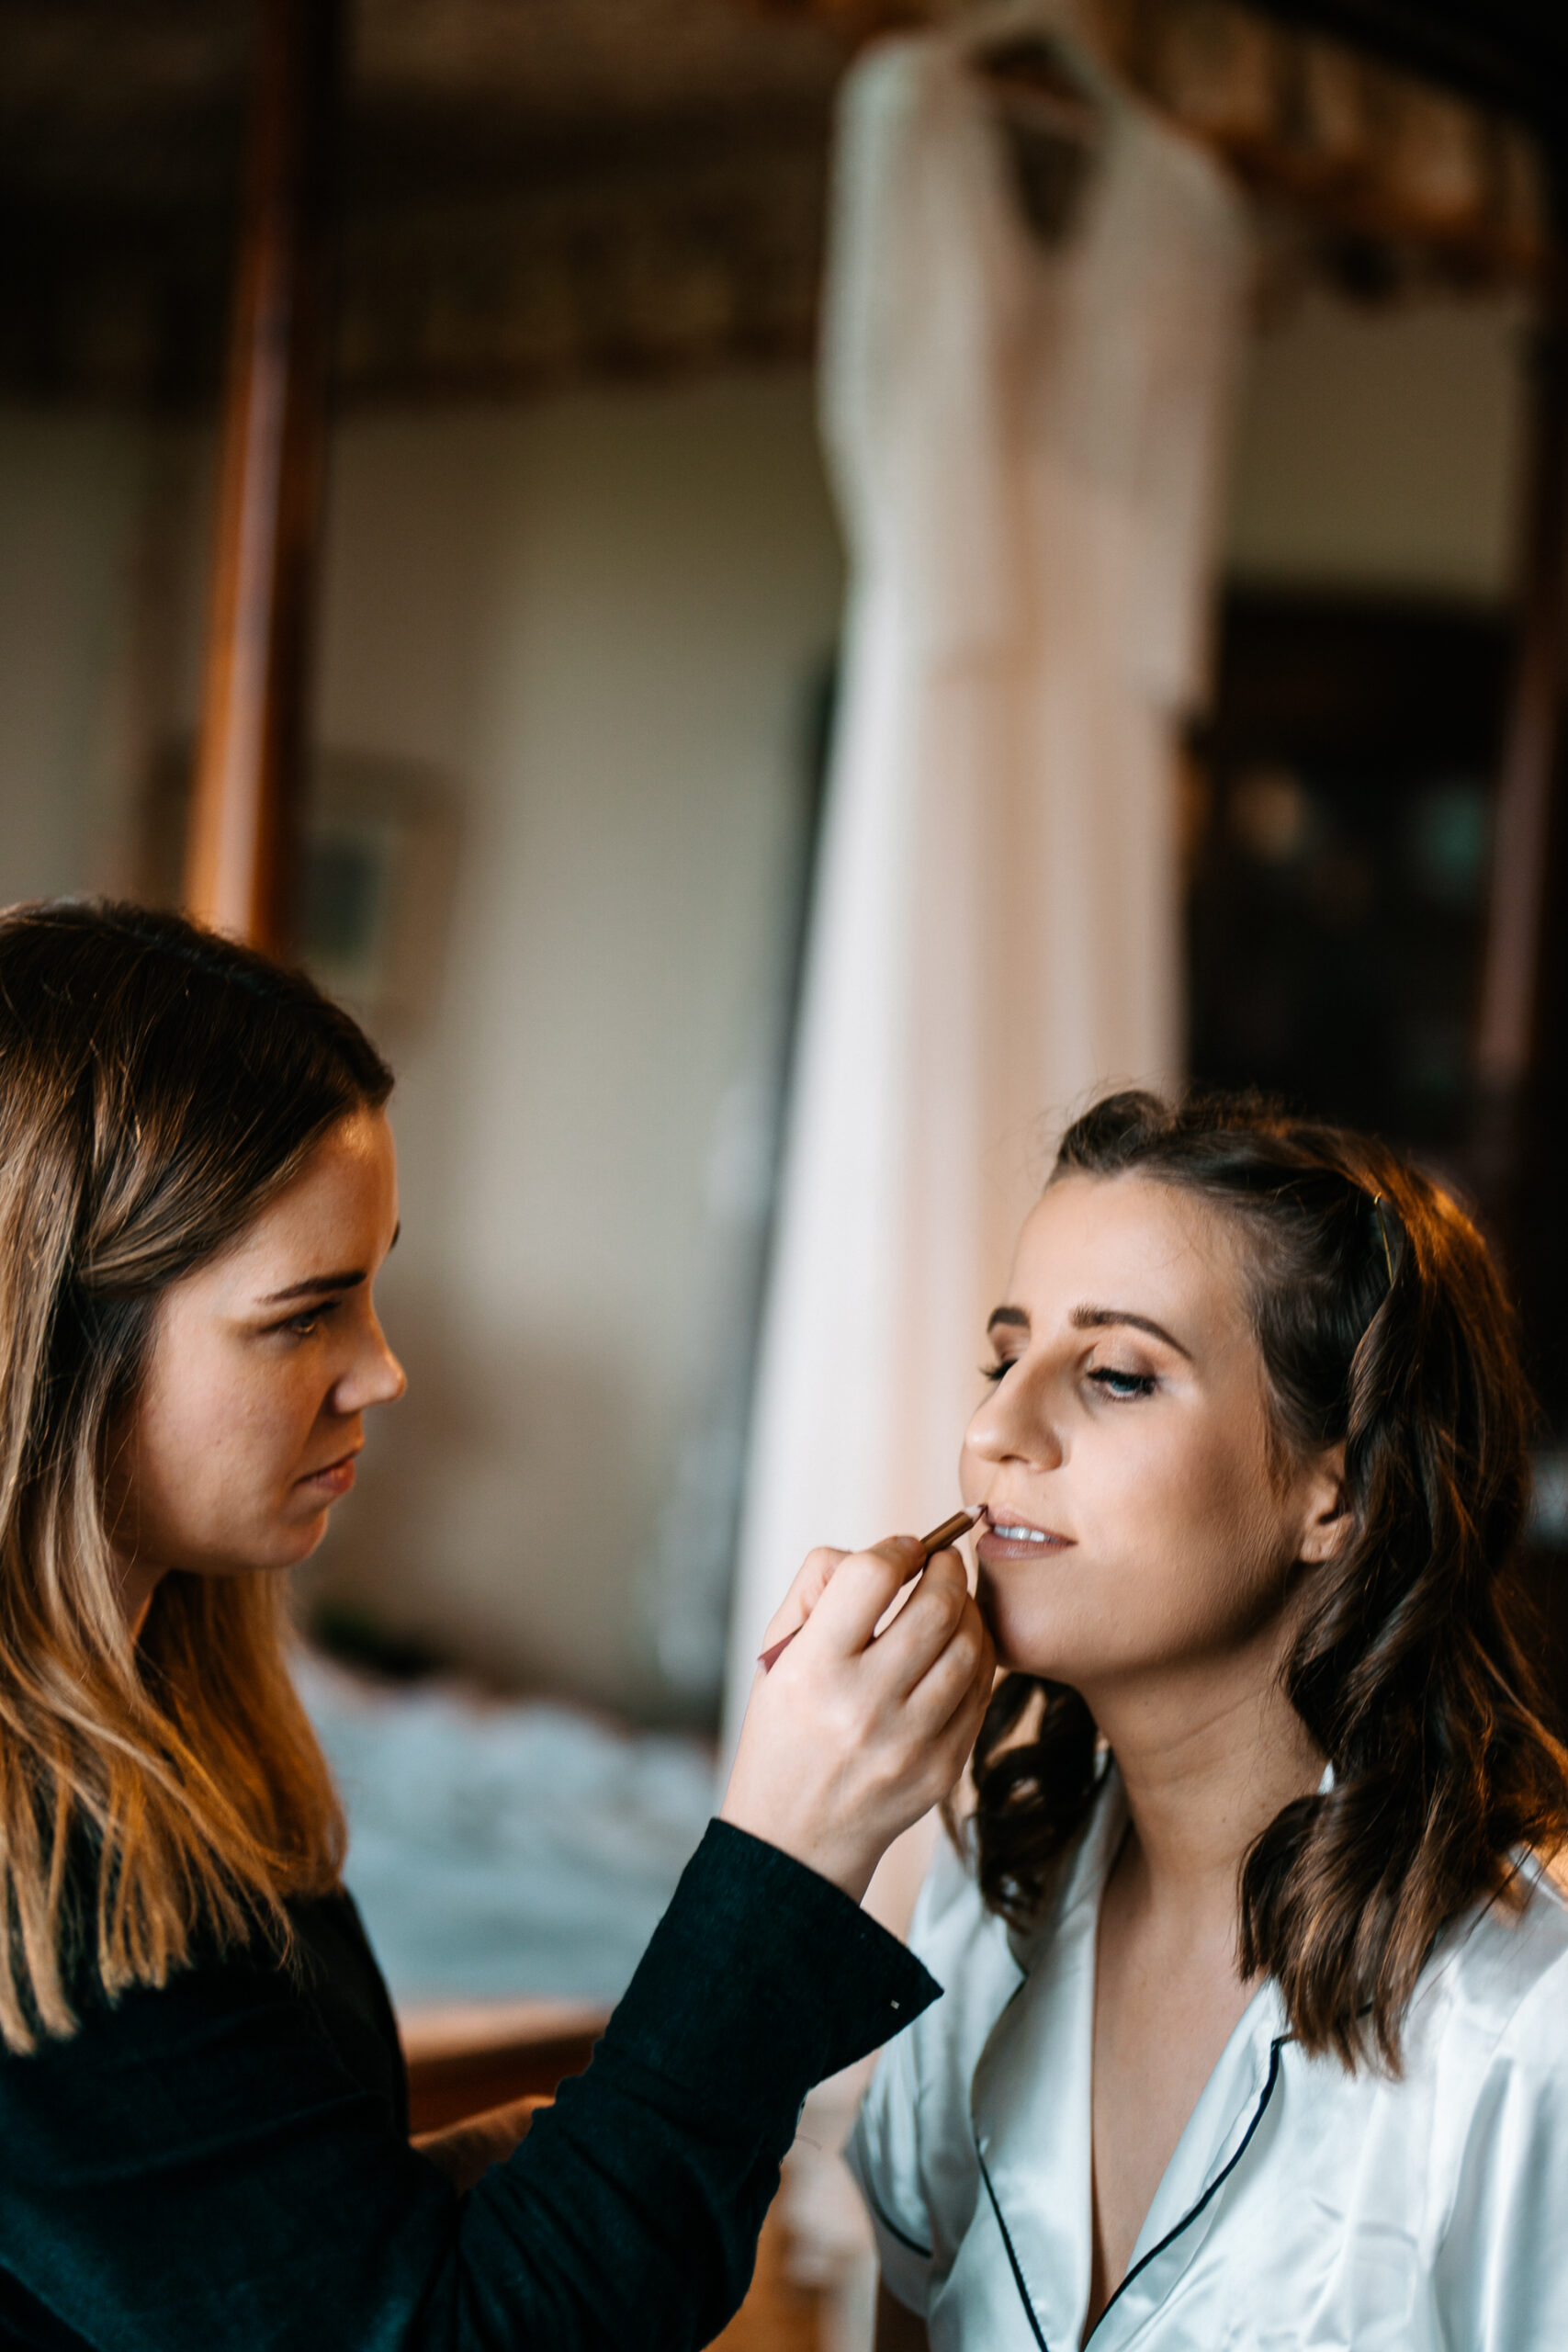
335,1480
1007,1536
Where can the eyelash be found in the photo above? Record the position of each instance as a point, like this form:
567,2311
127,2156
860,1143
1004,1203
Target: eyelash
1120,1385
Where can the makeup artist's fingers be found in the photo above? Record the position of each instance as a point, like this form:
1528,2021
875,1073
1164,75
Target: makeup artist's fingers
965,1670
951,1748
928,1621
809,1585
940,1719
863,1588
951,1702
851,1738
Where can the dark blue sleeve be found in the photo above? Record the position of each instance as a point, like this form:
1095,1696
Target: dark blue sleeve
196,2170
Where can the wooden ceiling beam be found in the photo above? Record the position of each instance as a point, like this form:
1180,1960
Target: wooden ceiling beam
242,864
1356,144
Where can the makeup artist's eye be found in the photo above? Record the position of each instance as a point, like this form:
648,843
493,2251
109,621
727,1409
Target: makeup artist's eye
1122,1386
305,1325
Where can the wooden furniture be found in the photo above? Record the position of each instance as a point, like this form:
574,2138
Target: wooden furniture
464,2056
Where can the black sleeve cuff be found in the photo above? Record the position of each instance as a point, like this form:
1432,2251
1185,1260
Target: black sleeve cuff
764,1978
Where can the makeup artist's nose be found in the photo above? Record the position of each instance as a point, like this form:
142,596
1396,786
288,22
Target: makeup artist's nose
1015,1424
376,1377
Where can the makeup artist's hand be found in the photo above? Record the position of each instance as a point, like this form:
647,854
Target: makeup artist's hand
853,1737
463,2151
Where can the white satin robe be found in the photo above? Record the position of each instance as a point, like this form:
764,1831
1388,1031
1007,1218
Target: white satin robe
1304,2207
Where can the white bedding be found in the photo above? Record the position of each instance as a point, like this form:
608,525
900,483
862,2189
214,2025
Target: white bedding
499,1851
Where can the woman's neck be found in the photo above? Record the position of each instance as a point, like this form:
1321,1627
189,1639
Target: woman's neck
1207,1761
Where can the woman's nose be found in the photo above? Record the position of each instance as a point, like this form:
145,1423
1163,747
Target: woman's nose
1015,1424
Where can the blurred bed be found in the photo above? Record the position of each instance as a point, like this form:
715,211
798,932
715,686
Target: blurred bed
510,1859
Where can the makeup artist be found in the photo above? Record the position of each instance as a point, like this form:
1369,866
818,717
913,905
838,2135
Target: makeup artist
203,2124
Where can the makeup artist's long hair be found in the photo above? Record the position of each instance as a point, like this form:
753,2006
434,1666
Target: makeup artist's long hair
158,1086
1382,1324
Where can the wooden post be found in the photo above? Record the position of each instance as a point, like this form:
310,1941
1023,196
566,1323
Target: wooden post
1525,822
242,859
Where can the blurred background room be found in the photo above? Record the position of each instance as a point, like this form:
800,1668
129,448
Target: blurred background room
547,510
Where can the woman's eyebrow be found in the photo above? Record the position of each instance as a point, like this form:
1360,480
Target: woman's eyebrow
1100,1318
324,1282
1014,1318
310,1289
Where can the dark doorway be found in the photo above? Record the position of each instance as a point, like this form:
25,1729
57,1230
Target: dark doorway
1341,795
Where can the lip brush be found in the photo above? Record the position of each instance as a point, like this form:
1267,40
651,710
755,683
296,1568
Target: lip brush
937,1541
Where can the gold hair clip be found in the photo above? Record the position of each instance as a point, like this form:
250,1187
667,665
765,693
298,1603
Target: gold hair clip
1382,1236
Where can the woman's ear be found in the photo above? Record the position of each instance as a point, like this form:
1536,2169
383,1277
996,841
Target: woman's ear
1326,1518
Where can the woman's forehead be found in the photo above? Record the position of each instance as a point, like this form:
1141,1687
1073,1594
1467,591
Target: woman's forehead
342,1200
1128,1241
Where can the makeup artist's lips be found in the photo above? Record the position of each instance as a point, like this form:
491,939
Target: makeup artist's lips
1007,1536
335,1480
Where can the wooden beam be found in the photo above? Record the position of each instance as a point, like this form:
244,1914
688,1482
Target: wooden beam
242,863
1344,134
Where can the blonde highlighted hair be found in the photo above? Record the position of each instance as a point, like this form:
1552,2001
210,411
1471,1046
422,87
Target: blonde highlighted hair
158,1086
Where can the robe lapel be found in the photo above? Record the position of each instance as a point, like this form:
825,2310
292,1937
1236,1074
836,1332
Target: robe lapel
1029,2102
1033,2236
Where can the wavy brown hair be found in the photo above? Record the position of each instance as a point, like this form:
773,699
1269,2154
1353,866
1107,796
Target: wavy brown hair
1382,1325
158,1086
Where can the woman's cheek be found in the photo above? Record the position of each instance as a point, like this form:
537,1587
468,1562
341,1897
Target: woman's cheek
1038,1619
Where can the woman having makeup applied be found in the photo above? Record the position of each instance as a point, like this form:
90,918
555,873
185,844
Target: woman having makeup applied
203,2116
1256,2031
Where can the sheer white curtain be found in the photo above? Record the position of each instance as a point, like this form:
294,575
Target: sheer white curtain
1027,441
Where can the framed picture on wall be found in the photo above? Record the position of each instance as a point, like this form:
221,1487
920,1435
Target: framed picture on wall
377,875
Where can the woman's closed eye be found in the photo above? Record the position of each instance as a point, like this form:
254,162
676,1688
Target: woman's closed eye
1122,1385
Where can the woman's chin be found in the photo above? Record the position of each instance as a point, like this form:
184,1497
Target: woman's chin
273,1553
305,1539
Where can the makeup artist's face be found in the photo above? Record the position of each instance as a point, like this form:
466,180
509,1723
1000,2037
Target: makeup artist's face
263,1365
1135,1523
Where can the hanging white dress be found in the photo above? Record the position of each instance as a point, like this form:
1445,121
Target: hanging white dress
1027,442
